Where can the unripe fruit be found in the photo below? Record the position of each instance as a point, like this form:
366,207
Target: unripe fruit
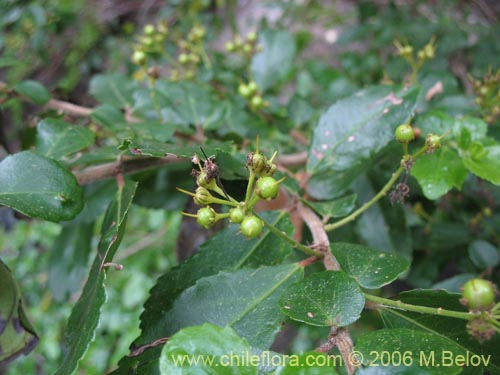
149,29
478,294
404,133
230,47
251,226
202,196
252,87
257,101
432,142
252,36
183,58
247,48
236,215
243,90
257,162
206,217
267,188
139,58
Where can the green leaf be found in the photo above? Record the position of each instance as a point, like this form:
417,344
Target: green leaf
372,269
274,62
206,349
109,117
223,252
39,187
34,91
310,363
352,133
439,172
56,138
453,330
483,161
328,298
69,260
244,299
114,89
190,104
483,254
84,318
409,347
17,336
336,208
392,370
383,225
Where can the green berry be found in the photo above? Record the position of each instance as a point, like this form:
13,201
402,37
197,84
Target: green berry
404,133
478,294
257,101
148,41
252,36
236,215
251,226
139,58
247,48
267,188
252,87
206,217
230,47
149,29
432,142
183,58
202,196
257,162
243,90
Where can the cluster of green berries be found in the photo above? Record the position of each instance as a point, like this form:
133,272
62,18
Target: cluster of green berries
405,134
246,47
261,186
487,92
250,92
150,42
407,52
189,57
478,295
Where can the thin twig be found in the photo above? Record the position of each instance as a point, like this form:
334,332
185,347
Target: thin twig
143,243
124,166
293,160
69,108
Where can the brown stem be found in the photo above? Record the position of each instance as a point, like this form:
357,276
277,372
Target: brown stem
124,166
293,160
321,241
69,108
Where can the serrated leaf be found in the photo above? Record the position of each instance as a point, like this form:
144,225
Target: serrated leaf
56,138
483,254
84,318
483,161
275,60
17,336
205,349
109,117
182,105
335,208
371,268
328,298
351,133
34,91
433,353
69,259
454,330
225,251
39,187
114,89
439,172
